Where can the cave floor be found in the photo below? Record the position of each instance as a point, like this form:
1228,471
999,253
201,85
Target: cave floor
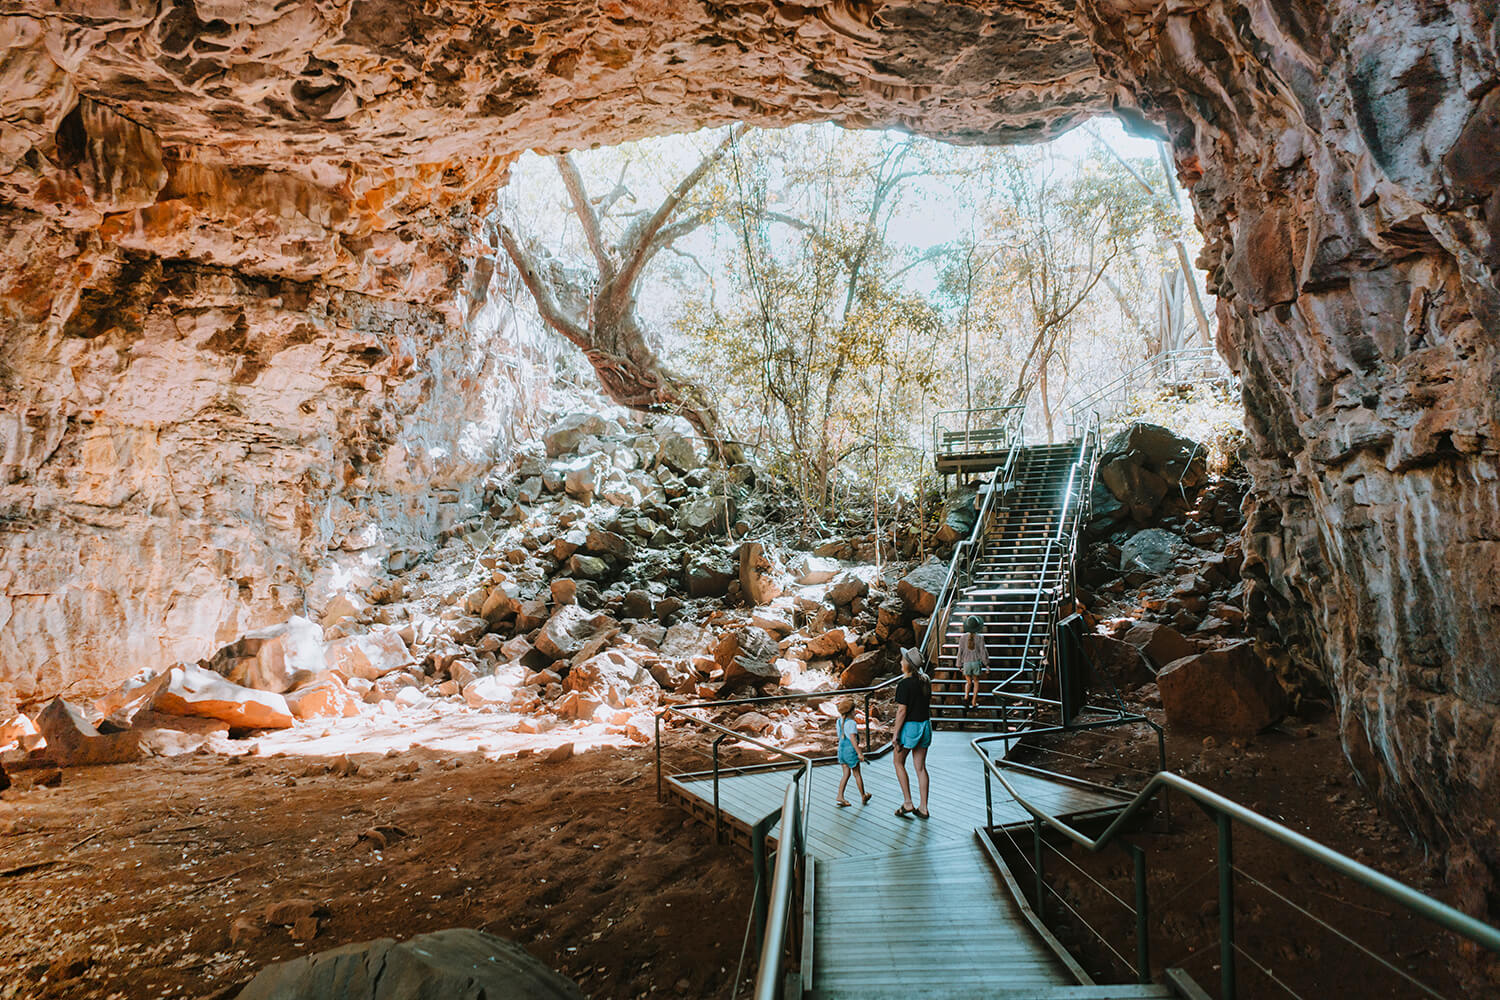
125,881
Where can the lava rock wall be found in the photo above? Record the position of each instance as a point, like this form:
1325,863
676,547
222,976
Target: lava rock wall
291,194
1345,164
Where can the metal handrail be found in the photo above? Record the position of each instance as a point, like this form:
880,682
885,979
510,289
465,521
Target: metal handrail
1226,811
1185,355
789,850
1010,424
1062,520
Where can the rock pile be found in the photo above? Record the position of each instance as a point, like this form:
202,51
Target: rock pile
1160,573
611,572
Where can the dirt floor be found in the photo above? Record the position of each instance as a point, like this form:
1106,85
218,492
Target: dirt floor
1295,774
126,881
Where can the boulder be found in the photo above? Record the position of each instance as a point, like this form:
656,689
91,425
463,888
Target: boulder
1142,462
919,589
862,670
1162,644
489,692
72,741
1226,690
121,704
1116,663
1154,551
501,602
569,628
564,591
568,543
21,730
636,605
704,515
846,587
959,514
588,567
454,964
676,452
753,723
466,630
599,542
531,614
325,698
193,690
708,575
758,575
562,437
809,570
581,479
748,656
685,641
370,656
274,658
834,642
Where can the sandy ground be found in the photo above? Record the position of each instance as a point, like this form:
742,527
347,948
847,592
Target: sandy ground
125,881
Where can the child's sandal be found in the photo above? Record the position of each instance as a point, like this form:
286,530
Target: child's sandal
840,802
867,797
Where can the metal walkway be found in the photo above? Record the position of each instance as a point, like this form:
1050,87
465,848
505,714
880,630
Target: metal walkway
913,902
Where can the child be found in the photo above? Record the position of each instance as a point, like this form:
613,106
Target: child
973,658
850,754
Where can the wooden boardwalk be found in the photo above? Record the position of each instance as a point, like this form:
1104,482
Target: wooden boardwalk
913,907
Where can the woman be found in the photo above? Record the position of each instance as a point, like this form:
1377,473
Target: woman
973,658
913,730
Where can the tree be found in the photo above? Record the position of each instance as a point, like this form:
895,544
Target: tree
597,312
814,337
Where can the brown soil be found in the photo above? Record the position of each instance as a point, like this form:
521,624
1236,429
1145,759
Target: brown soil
140,870
1295,774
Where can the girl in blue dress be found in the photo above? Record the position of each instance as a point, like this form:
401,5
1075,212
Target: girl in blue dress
850,754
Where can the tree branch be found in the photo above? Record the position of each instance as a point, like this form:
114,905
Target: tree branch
573,181
541,290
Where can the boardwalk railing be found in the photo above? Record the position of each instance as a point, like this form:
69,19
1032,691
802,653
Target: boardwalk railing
1226,814
969,440
1189,365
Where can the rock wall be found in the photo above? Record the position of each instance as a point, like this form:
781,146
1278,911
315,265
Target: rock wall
169,169
1342,158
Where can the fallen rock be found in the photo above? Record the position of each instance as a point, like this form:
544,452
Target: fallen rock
288,911
862,670
754,723
708,575
487,692
919,589
325,698
676,452
121,704
1226,690
557,756
586,566
1116,663
847,586
758,575
72,741
705,515
566,632
370,656
1154,551
599,542
1162,644
810,570
1142,462
455,964
834,642
21,730
562,437
274,658
192,690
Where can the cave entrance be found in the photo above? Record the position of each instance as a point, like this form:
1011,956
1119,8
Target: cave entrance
857,298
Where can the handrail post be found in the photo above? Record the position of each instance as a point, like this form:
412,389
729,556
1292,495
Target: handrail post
1226,907
657,717
1036,858
989,803
718,822
1142,916
867,721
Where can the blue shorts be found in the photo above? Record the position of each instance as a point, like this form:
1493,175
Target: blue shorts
916,735
847,754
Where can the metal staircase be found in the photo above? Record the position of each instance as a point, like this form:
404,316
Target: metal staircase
1018,558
